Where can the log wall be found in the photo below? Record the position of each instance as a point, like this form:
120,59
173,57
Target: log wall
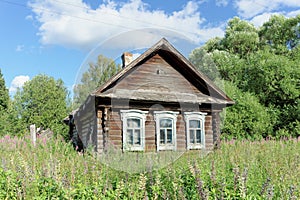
113,139
208,132
86,125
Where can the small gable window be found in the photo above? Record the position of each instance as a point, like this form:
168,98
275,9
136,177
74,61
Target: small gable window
195,130
165,129
133,129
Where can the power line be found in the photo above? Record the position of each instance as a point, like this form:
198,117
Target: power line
94,20
109,13
63,14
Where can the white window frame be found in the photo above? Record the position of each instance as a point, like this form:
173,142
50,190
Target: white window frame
133,114
199,116
158,115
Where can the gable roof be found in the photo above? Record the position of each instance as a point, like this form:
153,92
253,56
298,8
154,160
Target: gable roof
212,93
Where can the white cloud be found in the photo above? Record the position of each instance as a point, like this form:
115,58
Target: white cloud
75,24
207,33
135,55
259,20
293,13
251,8
20,48
29,17
17,82
222,2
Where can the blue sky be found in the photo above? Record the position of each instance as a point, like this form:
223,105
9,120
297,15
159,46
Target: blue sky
59,37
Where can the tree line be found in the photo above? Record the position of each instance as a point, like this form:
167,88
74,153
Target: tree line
258,67
45,102
42,101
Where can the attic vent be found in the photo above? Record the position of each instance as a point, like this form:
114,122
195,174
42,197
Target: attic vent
126,59
160,71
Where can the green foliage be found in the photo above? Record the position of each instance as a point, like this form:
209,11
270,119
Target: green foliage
4,96
241,37
9,185
239,170
4,122
204,62
213,44
230,66
263,63
247,118
42,101
97,74
280,33
4,104
17,125
48,188
274,78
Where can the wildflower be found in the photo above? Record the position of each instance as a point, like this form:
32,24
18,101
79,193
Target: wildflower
231,142
44,140
213,172
142,182
291,192
270,192
264,186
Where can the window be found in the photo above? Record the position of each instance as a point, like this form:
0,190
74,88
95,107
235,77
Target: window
195,129
133,129
165,129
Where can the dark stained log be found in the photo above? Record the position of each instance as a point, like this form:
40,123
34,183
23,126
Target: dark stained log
216,129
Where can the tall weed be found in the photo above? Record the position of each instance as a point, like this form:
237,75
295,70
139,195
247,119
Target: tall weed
51,169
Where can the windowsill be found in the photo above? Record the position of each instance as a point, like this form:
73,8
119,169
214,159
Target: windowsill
166,147
134,149
192,147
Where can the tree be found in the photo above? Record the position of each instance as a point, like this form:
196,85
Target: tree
97,74
4,96
4,104
42,101
275,79
230,66
247,118
214,44
264,63
204,62
241,37
280,33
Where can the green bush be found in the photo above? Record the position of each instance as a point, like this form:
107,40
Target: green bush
10,186
247,118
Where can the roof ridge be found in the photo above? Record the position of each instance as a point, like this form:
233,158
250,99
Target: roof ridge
162,44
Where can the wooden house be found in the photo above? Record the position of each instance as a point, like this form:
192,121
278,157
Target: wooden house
157,102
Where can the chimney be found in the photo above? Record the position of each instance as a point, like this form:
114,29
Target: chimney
126,59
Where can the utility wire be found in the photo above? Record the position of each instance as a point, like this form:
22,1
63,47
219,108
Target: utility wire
94,20
109,13
63,14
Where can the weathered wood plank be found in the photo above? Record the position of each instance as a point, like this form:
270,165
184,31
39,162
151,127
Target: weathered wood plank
156,74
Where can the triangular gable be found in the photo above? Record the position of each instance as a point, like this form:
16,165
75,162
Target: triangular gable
208,91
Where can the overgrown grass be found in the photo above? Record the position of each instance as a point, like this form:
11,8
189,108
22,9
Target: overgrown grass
239,170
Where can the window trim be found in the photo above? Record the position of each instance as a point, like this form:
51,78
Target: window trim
195,116
133,114
165,115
